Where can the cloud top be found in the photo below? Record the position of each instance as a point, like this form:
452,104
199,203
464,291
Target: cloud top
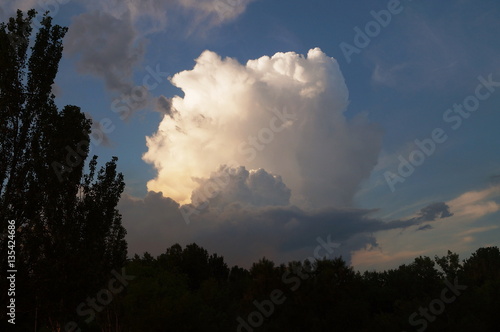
283,114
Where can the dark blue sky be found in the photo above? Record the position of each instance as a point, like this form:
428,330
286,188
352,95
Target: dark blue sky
421,68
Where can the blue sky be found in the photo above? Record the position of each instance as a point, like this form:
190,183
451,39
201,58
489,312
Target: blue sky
427,58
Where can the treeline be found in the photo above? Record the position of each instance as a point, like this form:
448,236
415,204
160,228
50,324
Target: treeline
186,289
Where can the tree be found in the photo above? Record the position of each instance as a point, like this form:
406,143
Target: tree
69,235
265,277
483,265
450,264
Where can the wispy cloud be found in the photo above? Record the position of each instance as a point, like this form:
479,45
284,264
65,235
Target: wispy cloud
475,204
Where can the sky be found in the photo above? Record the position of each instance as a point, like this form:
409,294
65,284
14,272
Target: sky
262,128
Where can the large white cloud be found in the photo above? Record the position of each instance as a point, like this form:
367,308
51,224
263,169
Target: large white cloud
284,114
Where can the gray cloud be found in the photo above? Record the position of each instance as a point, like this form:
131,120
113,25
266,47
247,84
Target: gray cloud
9,7
435,210
424,227
238,185
97,133
243,234
106,46
110,38
495,179
164,106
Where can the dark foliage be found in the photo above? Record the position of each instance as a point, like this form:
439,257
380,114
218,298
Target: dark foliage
68,235
186,290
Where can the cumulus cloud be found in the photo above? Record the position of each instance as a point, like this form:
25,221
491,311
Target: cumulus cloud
283,114
237,185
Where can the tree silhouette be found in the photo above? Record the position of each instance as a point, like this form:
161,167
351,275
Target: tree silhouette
450,264
68,232
327,295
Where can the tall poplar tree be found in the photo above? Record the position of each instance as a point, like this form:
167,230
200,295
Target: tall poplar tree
69,235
